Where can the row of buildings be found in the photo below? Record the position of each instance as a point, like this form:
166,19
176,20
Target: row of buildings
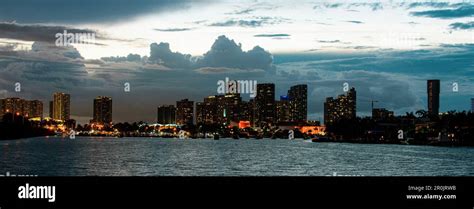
344,106
231,109
59,108
224,109
18,106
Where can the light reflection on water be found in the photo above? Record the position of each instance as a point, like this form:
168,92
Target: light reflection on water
156,156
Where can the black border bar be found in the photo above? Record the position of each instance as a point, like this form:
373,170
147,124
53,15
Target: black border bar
239,192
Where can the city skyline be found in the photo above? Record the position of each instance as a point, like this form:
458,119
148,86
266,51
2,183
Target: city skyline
225,108
386,50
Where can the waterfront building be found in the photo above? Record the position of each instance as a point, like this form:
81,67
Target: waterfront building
342,107
102,110
298,98
61,106
166,114
184,112
265,104
433,89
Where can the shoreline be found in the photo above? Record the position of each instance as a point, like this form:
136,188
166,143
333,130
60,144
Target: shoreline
438,144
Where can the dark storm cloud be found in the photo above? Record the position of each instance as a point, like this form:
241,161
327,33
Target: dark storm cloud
128,58
226,53
84,11
162,54
42,33
462,11
462,26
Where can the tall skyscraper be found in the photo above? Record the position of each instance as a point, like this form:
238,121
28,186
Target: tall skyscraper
472,105
265,103
61,106
35,109
206,111
102,110
247,111
433,87
298,96
51,109
283,110
166,114
343,107
228,108
184,112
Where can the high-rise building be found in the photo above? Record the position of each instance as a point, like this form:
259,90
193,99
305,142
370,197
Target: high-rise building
206,111
61,106
472,105
13,105
283,110
433,88
51,109
184,112
200,113
221,109
35,109
228,108
343,107
247,111
166,114
18,106
298,96
102,110
265,103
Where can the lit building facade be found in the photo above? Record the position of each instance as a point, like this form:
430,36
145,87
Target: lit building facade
18,106
13,105
184,112
342,107
265,104
283,110
102,110
35,109
298,97
61,106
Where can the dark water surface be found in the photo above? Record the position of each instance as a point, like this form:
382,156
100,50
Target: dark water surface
156,156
